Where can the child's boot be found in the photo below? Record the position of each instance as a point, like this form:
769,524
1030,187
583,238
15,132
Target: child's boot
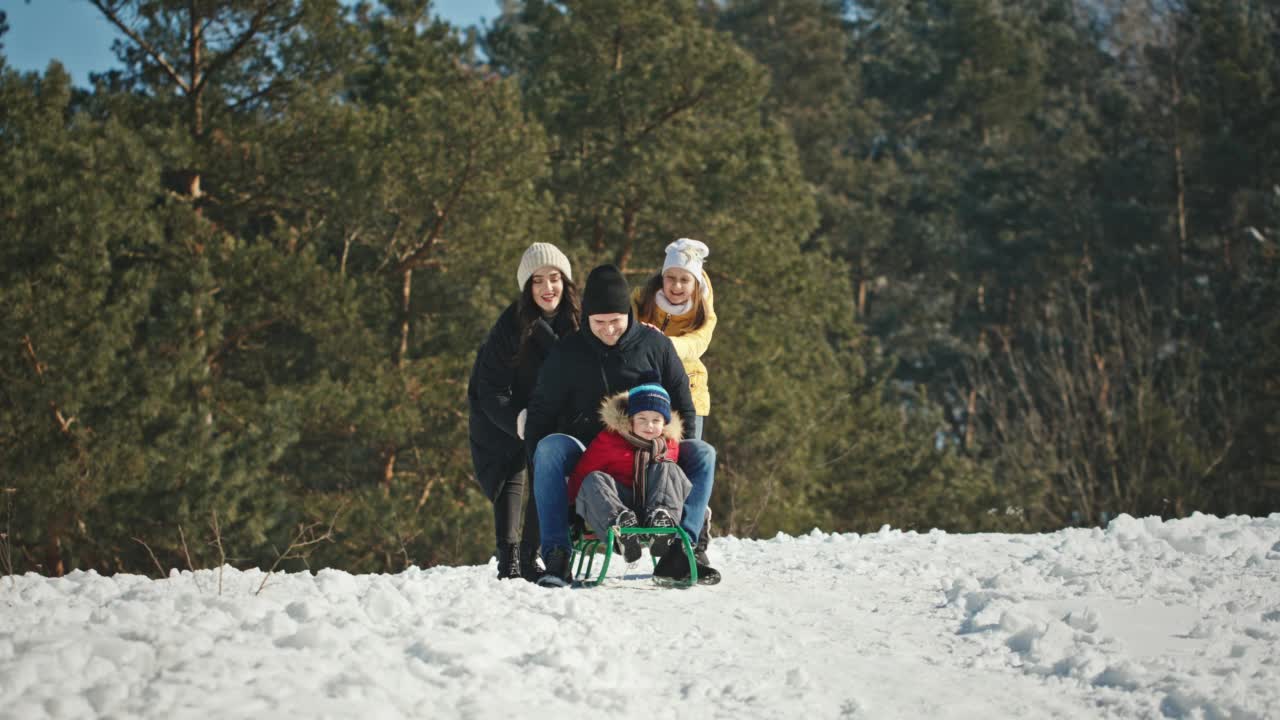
631,544
660,518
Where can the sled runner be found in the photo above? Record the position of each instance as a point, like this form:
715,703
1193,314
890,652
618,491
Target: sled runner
586,547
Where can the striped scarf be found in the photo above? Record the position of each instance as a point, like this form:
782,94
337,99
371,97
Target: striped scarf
647,451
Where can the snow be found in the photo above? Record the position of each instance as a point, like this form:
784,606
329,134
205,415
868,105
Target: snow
1144,619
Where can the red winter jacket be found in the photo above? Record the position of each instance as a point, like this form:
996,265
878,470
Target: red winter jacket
610,453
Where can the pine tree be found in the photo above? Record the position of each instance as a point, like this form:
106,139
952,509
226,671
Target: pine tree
297,330
106,398
399,194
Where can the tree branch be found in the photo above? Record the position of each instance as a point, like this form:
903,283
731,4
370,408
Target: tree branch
234,338
222,554
186,552
414,259
255,25
153,557
143,44
304,538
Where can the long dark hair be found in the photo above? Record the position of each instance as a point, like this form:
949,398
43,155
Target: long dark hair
528,312
649,301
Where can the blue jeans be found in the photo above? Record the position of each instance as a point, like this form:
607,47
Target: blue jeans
554,460
698,461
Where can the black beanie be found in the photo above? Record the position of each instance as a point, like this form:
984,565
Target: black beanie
606,292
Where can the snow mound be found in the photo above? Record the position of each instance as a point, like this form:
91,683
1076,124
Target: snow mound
1145,618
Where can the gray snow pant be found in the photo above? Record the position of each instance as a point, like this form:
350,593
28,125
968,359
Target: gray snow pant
601,498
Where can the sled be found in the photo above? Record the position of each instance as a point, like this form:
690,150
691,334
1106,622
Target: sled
587,547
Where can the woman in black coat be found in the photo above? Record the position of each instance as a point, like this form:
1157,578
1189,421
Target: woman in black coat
502,379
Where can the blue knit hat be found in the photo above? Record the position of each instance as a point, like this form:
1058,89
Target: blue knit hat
649,395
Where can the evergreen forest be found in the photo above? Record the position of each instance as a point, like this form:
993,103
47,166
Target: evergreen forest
979,265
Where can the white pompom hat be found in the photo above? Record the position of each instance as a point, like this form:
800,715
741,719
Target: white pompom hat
541,255
687,254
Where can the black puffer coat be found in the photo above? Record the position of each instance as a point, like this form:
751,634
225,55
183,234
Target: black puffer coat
499,389
581,371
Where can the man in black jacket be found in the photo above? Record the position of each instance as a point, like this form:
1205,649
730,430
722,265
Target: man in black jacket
607,354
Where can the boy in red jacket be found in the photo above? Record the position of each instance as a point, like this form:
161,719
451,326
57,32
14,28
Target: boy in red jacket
615,483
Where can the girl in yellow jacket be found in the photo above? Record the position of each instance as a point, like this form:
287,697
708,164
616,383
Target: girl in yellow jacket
678,302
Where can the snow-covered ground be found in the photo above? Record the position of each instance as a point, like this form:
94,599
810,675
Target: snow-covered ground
1143,619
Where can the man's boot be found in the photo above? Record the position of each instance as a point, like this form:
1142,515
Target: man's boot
704,537
559,572
674,568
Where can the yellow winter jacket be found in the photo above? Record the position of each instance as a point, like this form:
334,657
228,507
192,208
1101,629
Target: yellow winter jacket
690,344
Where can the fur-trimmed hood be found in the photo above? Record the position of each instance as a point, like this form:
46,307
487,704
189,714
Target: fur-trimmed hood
613,413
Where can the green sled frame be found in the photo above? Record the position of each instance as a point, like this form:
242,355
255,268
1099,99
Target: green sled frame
585,551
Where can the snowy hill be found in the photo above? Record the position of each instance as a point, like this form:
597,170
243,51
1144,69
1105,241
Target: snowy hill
1143,619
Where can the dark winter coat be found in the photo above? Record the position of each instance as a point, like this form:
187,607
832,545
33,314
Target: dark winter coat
614,455
499,389
581,371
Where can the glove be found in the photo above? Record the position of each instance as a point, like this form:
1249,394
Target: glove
543,334
520,423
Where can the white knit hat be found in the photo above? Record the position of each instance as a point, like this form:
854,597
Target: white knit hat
542,255
687,254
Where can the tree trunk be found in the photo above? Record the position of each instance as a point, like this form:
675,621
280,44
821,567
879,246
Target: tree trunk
196,95
617,49
971,409
862,285
388,471
196,50
53,566
406,294
629,215
597,235
1180,247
